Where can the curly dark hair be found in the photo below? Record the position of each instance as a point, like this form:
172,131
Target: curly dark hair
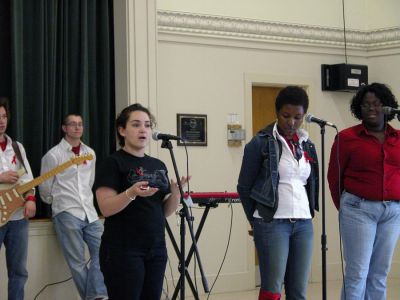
123,118
381,91
293,95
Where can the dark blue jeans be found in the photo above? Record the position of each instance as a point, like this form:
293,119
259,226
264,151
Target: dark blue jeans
14,235
133,274
284,249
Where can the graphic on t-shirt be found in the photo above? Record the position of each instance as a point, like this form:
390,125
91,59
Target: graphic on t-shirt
157,179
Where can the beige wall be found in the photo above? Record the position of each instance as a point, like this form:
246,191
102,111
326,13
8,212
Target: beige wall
207,65
205,68
382,14
360,14
45,265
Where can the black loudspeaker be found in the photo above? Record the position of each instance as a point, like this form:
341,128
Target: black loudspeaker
343,77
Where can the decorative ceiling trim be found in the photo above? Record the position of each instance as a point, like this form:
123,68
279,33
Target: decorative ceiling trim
229,27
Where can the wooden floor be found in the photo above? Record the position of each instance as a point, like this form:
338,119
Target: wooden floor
314,292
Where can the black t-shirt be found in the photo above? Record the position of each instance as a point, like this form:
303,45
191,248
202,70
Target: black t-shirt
142,223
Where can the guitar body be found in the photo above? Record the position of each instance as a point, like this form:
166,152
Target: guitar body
11,196
10,201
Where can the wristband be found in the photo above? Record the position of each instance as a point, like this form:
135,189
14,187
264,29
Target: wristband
30,198
127,196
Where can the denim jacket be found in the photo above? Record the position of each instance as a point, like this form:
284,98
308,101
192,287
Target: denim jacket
259,177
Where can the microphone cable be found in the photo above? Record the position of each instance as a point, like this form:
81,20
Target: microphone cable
166,293
50,284
226,250
191,220
172,278
55,283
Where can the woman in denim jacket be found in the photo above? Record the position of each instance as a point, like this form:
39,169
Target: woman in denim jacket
278,187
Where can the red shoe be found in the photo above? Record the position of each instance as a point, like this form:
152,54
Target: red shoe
267,295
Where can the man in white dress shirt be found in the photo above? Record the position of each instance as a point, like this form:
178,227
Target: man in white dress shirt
74,216
14,233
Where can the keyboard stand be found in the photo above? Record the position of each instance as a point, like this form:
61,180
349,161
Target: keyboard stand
208,206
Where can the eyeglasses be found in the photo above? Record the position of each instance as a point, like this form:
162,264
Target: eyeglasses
371,105
73,124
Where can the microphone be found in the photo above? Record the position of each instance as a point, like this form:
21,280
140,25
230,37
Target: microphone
165,137
312,119
387,110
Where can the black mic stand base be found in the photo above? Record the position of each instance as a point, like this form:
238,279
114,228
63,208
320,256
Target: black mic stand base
184,215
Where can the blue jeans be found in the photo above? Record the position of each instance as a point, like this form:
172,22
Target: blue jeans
14,234
369,230
72,233
134,274
284,250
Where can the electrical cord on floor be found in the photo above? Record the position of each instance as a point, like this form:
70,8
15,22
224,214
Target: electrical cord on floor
226,250
190,220
166,293
55,283
172,275
50,284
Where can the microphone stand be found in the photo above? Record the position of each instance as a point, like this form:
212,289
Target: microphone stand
323,234
184,214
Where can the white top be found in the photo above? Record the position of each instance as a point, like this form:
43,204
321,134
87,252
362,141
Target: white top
70,190
293,175
9,162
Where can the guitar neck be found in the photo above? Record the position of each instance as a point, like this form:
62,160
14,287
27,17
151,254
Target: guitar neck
23,188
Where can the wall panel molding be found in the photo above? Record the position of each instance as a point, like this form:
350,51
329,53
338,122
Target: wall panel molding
257,30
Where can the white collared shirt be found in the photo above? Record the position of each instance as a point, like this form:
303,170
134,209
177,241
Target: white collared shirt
293,175
10,162
70,190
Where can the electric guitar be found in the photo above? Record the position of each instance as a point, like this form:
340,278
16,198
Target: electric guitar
12,198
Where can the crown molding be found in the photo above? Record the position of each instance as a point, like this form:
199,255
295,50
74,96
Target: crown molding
257,30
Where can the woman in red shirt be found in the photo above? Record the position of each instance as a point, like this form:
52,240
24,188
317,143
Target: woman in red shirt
364,177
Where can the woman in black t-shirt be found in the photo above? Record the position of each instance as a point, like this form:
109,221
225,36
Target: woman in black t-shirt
135,195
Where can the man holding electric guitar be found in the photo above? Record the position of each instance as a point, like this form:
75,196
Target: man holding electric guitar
14,169
74,216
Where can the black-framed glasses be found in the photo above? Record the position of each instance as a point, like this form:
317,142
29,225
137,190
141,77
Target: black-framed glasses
376,104
74,124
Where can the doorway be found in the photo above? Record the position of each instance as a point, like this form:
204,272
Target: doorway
263,113
263,106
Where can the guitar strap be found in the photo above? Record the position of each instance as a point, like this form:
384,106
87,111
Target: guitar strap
17,152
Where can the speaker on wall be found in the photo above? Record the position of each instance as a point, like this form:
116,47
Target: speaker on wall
343,77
